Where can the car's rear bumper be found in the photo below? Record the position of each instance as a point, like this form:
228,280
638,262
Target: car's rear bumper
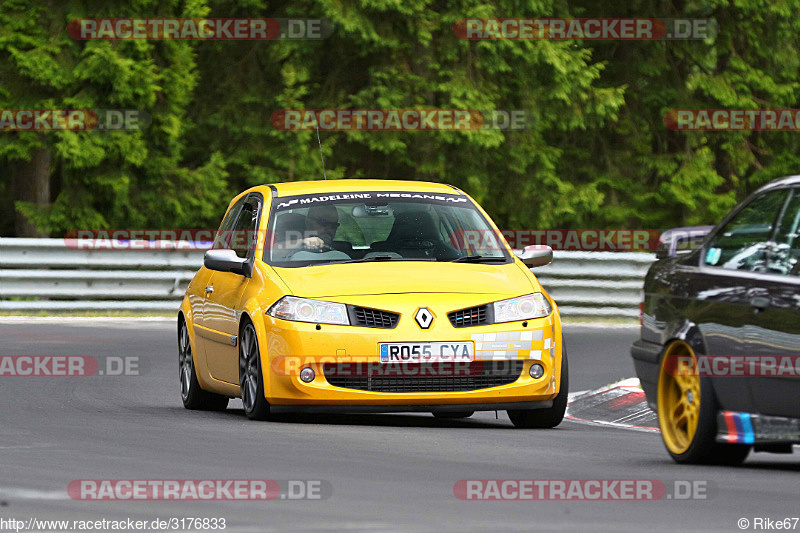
646,357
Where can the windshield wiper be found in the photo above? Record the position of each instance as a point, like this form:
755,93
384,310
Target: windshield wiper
376,258
479,259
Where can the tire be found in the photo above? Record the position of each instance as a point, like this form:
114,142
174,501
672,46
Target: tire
552,416
453,414
251,378
687,413
192,395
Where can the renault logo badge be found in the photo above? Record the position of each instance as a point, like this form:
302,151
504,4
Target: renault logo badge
424,317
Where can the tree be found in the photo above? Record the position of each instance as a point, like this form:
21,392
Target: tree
403,54
654,177
596,152
66,180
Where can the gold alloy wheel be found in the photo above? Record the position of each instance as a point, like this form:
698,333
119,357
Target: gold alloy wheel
678,397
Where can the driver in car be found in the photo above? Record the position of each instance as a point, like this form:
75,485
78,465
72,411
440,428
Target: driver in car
317,228
321,223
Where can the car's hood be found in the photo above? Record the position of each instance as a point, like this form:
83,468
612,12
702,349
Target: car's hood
405,277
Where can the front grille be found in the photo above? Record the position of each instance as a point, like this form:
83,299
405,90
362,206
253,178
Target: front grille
434,377
474,316
373,318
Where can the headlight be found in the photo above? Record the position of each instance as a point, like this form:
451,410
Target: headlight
522,308
305,310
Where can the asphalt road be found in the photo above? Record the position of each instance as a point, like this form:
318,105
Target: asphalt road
388,472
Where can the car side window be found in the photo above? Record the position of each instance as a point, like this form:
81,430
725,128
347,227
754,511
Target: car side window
243,240
743,243
785,253
223,236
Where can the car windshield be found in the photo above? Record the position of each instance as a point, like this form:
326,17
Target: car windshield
379,226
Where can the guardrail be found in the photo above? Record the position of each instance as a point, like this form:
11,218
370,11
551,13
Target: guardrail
45,274
596,284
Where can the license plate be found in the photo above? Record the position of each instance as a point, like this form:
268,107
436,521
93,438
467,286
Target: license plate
426,352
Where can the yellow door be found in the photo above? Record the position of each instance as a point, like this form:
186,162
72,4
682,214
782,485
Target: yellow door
197,300
223,302
221,320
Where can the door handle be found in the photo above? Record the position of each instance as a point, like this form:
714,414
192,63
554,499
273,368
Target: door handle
759,303
209,289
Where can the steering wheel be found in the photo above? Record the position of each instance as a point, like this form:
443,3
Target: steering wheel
324,248
420,244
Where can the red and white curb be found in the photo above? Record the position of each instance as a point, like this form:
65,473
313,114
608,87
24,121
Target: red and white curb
622,405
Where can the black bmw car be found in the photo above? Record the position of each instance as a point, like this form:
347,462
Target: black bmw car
719,353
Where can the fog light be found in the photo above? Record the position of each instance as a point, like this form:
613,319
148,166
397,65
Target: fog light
307,375
536,371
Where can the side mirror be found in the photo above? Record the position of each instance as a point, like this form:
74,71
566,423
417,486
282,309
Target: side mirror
536,255
679,241
228,261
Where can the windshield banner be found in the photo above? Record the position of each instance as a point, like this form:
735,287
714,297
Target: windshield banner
372,198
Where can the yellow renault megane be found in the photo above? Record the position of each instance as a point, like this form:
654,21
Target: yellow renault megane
370,296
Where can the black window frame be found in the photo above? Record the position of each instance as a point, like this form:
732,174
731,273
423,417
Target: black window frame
231,214
259,199
733,215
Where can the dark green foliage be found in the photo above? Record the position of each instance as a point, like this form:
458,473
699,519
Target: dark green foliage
596,154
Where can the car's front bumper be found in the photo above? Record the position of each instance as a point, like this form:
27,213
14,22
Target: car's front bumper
438,407
748,428
646,358
292,346
290,390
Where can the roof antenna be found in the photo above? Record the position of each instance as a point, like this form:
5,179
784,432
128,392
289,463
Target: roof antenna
320,152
